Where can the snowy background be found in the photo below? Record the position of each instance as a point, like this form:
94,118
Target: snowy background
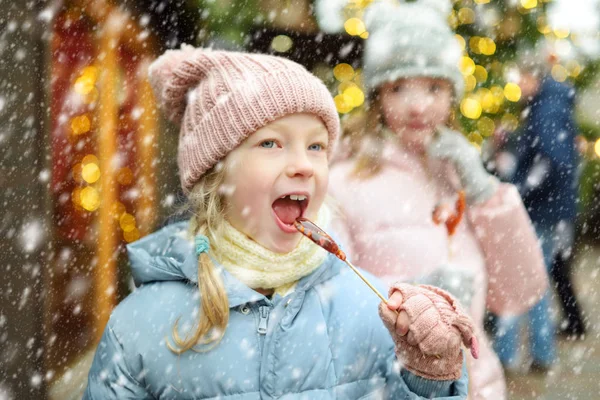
61,248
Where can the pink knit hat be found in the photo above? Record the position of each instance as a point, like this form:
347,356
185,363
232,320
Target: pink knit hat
220,98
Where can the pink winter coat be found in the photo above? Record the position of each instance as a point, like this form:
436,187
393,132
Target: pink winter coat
386,227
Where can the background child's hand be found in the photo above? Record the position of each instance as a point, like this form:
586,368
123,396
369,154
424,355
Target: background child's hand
477,183
428,327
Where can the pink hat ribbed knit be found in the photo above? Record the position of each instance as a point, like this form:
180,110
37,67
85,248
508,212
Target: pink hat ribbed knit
221,97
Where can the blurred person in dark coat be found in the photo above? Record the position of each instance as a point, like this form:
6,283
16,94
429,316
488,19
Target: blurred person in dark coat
542,161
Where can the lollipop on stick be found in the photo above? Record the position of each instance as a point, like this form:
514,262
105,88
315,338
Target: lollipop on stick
440,214
317,235
443,215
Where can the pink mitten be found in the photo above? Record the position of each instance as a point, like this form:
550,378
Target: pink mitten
437,326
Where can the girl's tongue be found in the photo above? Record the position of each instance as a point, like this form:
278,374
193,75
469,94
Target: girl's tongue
287,210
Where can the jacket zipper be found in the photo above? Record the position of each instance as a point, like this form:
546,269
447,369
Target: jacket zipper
263,314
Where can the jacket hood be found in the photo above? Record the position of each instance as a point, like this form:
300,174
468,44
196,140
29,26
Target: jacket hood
165,255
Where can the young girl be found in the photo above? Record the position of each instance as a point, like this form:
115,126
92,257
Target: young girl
403,185
235,303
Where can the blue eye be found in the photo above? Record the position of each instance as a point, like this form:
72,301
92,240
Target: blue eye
268,144
316,147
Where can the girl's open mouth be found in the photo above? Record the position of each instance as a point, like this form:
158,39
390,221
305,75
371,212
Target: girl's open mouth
288,208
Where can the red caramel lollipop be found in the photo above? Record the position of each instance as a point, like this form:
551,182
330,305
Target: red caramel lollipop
442,215
318,235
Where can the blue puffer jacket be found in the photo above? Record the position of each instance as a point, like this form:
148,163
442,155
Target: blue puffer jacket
323,341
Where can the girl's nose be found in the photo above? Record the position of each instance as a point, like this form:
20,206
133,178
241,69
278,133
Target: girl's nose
417,107
299,165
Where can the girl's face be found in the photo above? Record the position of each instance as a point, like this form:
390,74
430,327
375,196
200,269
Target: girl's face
414,107
276,175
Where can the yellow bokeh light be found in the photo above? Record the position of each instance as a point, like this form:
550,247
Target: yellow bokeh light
597,147
512,92
529,4
453,20
282,43
132,235
574,68
480,73
509,122
76,196
559,73
489,103
498,93
496,67
474,44
470,108
89,198
487,46
341,104
90,172
364,35
343,72
470,83
124,176
561,33
542,25
80,124
90,72
486,126
118,209
480,94
76,171
127,222
482,1
358,77
354,96
90,158
360,3
345,85
355,27
493,109
466,16
467,65
84,84
475,138
461,41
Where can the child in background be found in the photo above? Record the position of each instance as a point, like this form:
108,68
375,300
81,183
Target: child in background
413,163
235,303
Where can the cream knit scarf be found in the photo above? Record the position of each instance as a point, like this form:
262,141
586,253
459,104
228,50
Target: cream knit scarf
260,268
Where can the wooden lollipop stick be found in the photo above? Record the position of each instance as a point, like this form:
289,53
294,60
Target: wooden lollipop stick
366,281
318,236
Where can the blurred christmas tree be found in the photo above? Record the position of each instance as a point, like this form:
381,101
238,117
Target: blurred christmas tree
491,34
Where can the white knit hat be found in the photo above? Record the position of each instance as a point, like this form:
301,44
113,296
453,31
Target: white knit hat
410,40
